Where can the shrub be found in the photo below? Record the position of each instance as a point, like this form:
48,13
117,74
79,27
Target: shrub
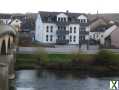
105,57
82,58
42,56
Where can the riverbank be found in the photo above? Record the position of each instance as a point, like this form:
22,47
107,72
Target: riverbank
30,61
104,62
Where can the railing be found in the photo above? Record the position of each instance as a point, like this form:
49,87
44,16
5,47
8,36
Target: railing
62,41
62,32
83,32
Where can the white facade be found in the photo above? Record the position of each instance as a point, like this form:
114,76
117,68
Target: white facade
47,32
39,29
73,33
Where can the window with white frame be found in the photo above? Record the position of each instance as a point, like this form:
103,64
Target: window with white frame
70,29
46,37
47,28
51,29
74,29
74,39
70,38
51,37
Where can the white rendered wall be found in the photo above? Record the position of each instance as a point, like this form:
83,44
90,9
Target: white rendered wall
39,29
74,34
49,33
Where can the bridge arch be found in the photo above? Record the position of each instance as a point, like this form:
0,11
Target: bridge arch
7,54
3,48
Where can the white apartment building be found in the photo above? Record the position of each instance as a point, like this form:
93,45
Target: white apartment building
62,28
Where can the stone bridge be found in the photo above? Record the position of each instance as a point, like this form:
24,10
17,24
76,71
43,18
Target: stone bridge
7,55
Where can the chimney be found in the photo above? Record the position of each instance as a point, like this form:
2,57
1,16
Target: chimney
67,11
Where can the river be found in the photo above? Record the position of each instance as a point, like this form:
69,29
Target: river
59,80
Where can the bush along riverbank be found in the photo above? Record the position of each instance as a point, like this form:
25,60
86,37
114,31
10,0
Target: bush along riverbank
104,62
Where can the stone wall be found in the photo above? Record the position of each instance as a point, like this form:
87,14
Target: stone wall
3,76
6,70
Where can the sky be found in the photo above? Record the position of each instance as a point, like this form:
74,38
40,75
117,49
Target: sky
80,6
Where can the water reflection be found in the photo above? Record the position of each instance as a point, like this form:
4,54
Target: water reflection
59,80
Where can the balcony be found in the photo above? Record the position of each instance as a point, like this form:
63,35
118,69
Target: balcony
62,32
62,41
83,32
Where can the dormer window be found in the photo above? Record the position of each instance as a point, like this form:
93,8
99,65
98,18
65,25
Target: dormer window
82,19
58,19
62,17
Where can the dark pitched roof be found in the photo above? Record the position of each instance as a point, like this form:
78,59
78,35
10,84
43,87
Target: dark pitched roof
45,15
102,28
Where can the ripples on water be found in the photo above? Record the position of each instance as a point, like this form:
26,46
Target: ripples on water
56,80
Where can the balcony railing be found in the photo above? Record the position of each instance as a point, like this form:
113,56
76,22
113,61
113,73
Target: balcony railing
62,41
83,32
62,32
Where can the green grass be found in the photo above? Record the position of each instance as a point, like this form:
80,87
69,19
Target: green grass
28,60
103,59
32,58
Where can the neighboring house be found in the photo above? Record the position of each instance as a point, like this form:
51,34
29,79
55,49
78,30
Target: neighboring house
112,41
61,28
115,38
100,30
107,33
96,34
102,35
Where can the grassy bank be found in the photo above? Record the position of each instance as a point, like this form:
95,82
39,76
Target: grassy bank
104,61
29,61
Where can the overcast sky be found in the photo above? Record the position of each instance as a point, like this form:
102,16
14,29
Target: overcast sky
81,6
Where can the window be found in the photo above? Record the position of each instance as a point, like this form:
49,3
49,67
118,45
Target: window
83,37
74,29
58,27
51,29
64,28
58,19
61,19
47,29
65,19
83,20
70,38
94,36
90,36
70,29
63,37
97,35
51,37
80,20
46,37
74,38
101,35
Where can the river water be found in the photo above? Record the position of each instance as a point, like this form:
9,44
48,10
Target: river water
59,80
